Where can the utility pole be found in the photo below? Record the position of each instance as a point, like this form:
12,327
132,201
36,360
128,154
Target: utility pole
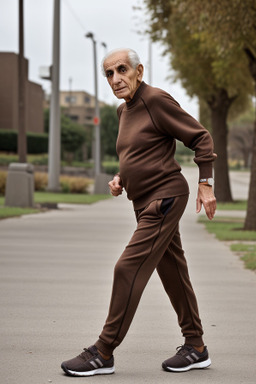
22,138
54,131
97,159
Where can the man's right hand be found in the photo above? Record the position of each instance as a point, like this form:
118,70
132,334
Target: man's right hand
115,186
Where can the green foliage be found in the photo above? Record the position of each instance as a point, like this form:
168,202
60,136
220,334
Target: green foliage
111,167
8,140
247,117
36,142
6,159
109,130
205,115
72,135
201,62
46,120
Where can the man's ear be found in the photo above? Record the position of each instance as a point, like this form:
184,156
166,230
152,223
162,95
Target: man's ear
140,70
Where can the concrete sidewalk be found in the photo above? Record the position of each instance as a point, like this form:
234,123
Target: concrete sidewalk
55,285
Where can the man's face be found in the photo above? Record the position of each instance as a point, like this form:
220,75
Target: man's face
122,77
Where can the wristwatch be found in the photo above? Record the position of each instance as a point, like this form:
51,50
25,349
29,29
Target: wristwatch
208,181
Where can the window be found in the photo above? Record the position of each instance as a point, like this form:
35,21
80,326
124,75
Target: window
71,99
74,117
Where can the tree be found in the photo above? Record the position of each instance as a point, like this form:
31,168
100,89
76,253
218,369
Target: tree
203,73
109,130
72,138
232,26
241,137
73,135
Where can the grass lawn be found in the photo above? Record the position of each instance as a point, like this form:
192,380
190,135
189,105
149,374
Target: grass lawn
238,205
228,229
231,229
68,198
47,197
247,252
15,211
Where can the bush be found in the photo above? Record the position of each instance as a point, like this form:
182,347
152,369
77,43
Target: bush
41,181
41,159
3,177
36,142
72,137
68,184
74,184
8,140
111,168
8,159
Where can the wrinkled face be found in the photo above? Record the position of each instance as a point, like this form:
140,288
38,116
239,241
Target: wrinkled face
122,77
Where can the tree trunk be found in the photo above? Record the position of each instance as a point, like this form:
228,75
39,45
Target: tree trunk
219,105
250,221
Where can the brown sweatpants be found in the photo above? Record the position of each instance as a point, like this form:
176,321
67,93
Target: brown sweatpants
156,244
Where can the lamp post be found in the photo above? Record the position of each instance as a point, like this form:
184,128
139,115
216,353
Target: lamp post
22,139
97,160
105,46
54,132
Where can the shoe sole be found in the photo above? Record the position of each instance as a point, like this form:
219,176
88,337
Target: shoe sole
201,365
100,371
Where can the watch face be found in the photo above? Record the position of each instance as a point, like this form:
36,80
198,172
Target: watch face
210,181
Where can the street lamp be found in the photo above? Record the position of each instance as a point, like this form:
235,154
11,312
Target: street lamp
105,46
97,161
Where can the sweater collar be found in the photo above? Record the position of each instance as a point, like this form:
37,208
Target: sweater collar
136,96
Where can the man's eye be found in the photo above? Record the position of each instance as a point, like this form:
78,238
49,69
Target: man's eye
122,69
109,74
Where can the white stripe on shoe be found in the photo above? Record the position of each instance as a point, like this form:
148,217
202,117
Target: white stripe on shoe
99,371
202,364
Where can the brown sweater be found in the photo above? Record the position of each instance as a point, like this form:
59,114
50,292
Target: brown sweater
148,128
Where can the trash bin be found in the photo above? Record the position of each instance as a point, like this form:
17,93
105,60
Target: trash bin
20,185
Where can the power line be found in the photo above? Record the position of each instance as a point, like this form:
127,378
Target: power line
75,15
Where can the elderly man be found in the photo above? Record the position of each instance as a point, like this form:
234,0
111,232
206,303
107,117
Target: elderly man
150,121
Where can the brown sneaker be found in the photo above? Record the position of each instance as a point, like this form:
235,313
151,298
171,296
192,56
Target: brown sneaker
88,363
187,358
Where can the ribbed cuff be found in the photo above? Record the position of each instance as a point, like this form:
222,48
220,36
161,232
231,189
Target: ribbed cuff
194,341
104,348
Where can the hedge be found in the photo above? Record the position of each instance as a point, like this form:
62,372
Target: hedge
36,142
68,184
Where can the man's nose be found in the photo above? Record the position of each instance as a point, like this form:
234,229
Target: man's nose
116,78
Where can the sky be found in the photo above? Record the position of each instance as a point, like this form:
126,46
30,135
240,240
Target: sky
113,22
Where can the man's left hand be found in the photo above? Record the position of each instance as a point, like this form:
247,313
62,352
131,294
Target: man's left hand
205,197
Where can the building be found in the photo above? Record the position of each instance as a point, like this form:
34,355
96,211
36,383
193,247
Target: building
9,92
79,106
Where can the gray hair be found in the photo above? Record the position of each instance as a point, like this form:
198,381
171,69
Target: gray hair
132,55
